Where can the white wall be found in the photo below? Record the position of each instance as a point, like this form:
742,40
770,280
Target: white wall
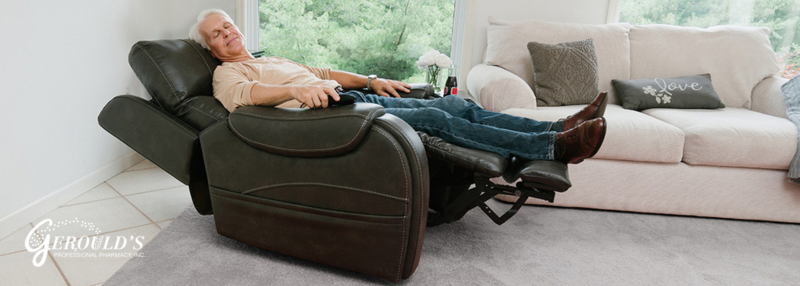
478,12
62,61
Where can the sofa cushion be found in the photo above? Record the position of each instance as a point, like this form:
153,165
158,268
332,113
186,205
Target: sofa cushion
686,92
564,73
737,58
507,46
733,137
631,135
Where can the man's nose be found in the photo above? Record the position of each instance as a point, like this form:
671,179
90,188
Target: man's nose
226,33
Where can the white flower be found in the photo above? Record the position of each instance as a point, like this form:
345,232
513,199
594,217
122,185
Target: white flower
431,54
443,61
433,57
428,58
667,99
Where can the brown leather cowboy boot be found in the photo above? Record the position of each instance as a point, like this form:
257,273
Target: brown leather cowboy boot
581,142
594,110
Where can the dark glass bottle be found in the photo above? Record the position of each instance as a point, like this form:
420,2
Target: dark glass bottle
451,85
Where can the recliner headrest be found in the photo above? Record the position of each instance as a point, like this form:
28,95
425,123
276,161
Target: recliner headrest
176,71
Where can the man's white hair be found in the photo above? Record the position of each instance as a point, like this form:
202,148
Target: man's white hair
194,32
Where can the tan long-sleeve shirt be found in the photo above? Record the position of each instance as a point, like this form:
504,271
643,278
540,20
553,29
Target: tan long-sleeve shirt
233,81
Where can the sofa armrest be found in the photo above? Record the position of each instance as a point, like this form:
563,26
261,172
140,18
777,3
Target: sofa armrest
498,89
768,98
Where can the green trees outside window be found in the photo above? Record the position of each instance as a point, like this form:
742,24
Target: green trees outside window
382,37
782,17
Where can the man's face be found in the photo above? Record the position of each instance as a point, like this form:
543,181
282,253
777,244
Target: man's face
222,36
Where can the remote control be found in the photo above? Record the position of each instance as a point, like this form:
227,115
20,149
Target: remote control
344,99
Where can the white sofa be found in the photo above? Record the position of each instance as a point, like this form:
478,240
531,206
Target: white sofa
726,163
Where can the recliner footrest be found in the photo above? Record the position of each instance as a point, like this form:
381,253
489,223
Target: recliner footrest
546,175
459,167
487,163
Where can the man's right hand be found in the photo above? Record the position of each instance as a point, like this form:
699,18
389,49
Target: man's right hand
314,96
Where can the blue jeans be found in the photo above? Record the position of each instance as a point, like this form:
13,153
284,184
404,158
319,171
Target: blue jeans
465,124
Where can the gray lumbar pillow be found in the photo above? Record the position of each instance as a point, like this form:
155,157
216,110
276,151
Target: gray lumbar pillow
687,92
565,73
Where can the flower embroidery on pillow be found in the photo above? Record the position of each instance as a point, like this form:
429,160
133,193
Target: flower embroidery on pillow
660,97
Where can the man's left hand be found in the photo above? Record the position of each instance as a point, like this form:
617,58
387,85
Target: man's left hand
388,87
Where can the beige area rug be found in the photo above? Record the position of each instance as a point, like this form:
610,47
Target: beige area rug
539,246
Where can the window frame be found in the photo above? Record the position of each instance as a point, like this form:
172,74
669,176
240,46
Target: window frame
612,15
247,20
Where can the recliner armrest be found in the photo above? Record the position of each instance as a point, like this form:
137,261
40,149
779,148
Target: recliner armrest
418,90
304,132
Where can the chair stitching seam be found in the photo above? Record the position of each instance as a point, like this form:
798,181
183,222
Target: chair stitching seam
479,163
419,173
323,185
174,93
201,56
360,130
200,110
416,161
306,118
158,112
148,88
405,216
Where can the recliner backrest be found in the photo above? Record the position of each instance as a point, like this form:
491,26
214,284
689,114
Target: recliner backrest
178,75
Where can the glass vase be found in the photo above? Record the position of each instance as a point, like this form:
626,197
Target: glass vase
433,76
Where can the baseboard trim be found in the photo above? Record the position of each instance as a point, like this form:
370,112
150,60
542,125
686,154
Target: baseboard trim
18,219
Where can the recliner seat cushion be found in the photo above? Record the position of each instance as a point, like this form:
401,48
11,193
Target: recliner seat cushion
631,135
733,137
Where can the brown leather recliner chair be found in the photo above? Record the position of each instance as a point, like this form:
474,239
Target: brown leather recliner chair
348,186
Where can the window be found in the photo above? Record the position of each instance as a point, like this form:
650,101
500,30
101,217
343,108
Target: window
384,37
781,16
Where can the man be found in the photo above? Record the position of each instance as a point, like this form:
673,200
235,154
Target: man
244,80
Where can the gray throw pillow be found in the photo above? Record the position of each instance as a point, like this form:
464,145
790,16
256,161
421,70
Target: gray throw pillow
686,92
565,73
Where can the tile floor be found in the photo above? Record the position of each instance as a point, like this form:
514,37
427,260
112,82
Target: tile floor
136,204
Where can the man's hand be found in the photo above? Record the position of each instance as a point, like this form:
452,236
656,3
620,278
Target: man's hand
388,87
314,96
